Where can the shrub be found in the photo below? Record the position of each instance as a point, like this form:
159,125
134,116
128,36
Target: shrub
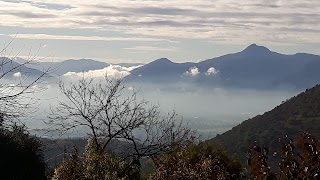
95,165
196,161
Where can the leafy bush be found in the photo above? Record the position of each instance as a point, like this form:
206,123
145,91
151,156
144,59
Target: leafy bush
196,161
95,165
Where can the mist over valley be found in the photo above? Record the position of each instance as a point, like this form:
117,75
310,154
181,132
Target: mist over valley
210,96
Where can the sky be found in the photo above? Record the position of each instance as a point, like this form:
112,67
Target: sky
117,31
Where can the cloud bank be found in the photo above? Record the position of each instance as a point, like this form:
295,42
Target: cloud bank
112,71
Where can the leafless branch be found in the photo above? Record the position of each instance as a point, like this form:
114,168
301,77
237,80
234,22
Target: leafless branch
16,86
108,115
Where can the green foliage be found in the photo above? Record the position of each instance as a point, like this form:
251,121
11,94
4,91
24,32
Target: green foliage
21,153
298,114
95,165
196,161
105,165
69,169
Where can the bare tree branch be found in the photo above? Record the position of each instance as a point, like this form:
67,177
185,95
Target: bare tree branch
108,115
16,86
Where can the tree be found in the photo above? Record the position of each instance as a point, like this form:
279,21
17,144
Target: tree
93,166
109,116
203,160
22,156
70,168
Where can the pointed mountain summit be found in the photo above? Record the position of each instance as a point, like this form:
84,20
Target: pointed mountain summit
155,68
255,67
162,61
255,50
161,70
159,63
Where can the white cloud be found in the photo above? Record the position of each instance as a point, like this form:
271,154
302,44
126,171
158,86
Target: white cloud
211,71
193,71
113,71
17,74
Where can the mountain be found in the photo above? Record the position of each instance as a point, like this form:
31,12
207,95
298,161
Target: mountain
294,116
160,70
10,68
307,76
254,67
80,65
71,65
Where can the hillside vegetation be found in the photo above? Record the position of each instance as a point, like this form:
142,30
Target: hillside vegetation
294,116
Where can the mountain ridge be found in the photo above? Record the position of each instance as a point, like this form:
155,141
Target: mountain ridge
291,118
9,67
71,65
254,67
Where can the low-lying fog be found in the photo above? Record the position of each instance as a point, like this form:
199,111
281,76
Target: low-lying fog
207,110
212,111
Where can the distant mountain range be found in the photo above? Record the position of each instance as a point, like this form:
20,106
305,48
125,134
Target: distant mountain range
254,67
71,65
12,69
293,117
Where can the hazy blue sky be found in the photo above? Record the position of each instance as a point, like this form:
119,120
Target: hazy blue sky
144,30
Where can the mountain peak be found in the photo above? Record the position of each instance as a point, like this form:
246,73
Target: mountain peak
162,60
255,49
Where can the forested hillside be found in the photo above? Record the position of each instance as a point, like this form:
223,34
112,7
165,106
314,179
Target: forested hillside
298,114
